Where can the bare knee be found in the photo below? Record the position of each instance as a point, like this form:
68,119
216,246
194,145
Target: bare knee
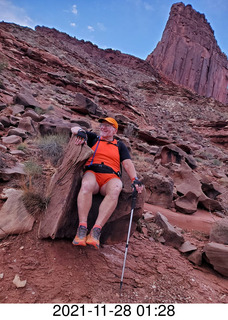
86,187
89,185
114,192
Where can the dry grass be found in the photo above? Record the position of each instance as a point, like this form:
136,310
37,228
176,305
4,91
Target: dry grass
32,170
33,198
52,146
34,202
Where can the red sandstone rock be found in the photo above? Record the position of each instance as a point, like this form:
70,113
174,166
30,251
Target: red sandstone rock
172,236
219,231
189,55
15,219
217,254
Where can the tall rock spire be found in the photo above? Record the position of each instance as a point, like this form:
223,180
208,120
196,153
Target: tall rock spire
188,54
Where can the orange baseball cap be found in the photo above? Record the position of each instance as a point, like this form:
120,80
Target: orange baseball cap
112,121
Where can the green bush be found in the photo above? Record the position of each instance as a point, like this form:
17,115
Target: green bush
32,168
217,162
22,146
39,111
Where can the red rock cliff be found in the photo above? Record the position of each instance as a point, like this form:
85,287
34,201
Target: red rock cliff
188,54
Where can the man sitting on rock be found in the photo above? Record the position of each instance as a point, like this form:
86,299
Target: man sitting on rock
102,174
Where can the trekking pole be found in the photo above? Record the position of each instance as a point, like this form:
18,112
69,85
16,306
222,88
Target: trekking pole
133,202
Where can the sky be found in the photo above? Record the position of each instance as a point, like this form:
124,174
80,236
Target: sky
131,26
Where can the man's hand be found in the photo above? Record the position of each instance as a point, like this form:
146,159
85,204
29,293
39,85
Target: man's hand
80,135
137,184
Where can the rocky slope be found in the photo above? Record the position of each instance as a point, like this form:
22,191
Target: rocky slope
189,55
178,140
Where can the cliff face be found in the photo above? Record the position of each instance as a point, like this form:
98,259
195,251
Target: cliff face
189,55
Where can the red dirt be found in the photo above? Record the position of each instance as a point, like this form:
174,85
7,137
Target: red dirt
57,272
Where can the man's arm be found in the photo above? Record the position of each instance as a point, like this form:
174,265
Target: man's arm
75,129
130,169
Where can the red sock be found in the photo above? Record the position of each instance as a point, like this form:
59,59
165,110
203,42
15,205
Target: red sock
84,224
97,226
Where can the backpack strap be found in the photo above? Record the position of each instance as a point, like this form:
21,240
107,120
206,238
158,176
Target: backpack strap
95,151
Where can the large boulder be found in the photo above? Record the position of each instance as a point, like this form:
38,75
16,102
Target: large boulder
55,125
18,132
159,189
217,256
219,231
188,186
9,167
27,124
26,99
9,173
174,154
196,257
185,180
171,235
84,105
151,138
187,203
33,115
5,121
210,204
61,217
13,139
189,189
17,109
14,218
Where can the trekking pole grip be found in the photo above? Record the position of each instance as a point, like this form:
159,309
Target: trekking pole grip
134,197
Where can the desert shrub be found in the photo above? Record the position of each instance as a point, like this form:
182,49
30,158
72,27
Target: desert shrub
34,202
39,110
216,162
32,169
3,65
206,156
198,159
22,146
52,146
32,197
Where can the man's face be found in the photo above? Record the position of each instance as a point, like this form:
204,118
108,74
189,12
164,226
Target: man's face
107,130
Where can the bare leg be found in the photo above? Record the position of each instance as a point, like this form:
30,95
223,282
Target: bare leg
88,188
111,190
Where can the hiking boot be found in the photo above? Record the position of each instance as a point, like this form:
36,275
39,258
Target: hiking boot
93,237
80,238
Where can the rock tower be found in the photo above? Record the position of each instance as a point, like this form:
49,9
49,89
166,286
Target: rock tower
188,54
